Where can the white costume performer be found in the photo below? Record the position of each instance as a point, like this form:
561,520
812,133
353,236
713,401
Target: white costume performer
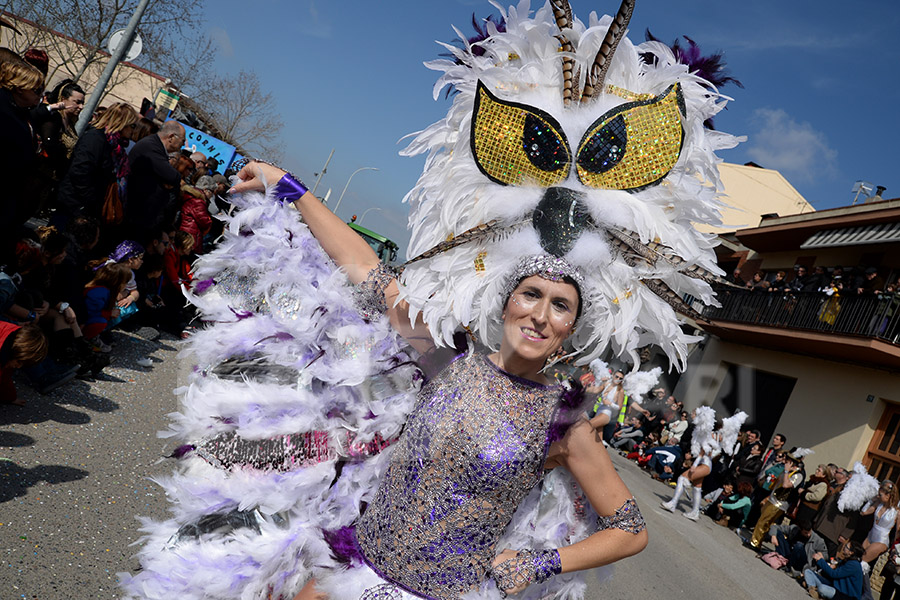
565,144
706,444
885,517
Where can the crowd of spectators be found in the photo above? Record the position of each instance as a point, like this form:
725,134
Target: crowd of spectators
766,495
97,231
862,281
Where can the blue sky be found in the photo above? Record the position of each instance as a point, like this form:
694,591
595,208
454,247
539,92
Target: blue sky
819,101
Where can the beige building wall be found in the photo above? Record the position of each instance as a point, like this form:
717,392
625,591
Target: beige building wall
129,83
827,410
751,192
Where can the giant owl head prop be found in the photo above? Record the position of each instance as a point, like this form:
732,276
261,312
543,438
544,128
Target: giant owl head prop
566,139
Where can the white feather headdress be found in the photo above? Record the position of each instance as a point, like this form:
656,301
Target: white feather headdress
638,248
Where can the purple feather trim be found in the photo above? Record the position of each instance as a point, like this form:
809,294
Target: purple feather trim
180,451
241,314
569,410
344,547
481,34
202,286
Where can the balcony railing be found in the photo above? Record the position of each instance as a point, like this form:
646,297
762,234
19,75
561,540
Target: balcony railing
866,316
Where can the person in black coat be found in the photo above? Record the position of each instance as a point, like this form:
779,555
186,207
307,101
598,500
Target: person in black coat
21,86
748,466
97,161
150,181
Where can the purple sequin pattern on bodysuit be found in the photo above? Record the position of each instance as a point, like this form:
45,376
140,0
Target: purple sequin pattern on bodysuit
473,448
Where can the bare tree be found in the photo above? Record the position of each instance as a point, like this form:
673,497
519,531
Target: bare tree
174,46
86,27
245,113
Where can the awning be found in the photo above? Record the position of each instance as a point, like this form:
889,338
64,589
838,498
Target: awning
854,236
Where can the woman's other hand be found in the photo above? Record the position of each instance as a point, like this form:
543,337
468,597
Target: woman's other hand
503,557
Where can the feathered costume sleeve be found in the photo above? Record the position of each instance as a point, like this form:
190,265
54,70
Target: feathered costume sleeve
285,424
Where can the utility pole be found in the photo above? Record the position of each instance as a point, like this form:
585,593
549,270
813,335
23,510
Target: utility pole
114,61
322,172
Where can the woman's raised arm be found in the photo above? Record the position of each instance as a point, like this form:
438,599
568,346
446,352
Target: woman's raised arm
345,247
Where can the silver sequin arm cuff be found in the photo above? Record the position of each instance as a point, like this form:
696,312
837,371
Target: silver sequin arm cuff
527,567
628,518
368,295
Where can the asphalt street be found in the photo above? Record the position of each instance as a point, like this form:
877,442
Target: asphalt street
75,470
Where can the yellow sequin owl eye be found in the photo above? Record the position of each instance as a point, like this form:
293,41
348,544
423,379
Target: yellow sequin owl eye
633,146
515,144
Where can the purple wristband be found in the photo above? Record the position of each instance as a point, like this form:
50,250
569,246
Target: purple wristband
290,189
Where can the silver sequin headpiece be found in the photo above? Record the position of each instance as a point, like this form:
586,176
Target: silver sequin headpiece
547,267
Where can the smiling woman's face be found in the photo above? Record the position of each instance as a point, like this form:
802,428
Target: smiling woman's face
539,315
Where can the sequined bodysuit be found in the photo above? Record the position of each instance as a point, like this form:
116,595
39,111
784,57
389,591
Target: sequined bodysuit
473,448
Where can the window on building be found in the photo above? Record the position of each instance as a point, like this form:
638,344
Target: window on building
883,456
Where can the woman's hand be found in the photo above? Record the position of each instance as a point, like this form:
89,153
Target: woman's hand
42,309
69,315
255,176
503,557
124,302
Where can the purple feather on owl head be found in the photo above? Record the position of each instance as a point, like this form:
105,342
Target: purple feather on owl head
711,68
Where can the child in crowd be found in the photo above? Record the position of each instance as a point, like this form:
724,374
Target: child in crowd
177,273
100,300
195,217
154,311
20,346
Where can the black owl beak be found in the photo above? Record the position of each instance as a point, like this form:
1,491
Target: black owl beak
560,218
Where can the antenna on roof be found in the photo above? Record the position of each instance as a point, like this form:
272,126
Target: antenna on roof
862,187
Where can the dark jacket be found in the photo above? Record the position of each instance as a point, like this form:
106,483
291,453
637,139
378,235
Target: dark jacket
17,160
846,577
148,196
831,523
748,467
83,188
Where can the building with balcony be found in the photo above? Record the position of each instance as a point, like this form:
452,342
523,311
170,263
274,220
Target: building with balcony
822,369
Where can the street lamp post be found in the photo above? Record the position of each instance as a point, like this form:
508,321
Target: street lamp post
348,184
365,212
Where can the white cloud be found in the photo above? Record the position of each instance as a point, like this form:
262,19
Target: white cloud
221,37
317,26
794,148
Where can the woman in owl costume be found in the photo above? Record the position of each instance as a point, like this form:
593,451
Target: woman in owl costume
553,217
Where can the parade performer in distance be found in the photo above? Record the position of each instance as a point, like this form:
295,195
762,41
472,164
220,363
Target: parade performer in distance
706,445
319,465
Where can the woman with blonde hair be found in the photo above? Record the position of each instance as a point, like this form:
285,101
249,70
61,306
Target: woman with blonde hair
99,162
